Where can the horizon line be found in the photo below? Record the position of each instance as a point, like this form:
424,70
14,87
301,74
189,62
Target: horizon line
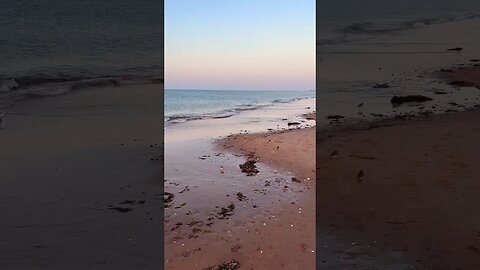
187,89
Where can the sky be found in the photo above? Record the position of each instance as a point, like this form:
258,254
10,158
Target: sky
240,44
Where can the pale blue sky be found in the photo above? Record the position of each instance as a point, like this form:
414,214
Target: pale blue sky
240,44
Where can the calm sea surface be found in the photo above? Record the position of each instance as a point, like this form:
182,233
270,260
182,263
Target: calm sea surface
184,105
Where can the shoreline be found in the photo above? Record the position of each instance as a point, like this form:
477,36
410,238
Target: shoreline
201,230
227,113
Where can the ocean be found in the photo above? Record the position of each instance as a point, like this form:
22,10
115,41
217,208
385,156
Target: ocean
185,105
52,46
345,20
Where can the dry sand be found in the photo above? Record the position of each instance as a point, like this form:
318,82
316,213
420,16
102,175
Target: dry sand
66,163
292,150
277,150
418,196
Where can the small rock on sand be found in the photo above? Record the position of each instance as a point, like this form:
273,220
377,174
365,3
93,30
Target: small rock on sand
381,85
336,116
455,49
240,196
397,100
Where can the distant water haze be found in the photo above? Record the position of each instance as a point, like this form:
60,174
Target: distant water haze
343,20
252,45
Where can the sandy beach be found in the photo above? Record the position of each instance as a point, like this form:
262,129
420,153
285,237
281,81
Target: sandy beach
407,187
391,194
397,182
217,214
81,180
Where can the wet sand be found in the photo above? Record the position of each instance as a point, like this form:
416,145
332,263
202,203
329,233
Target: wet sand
79,188
357,79
219,214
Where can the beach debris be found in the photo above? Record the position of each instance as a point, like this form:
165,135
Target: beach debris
181,205
177,225
249,167
293,123
127,202
455,49
167,197
334,154
263,191
446,70
294,179
360,175
120,209
360,105
230,265
462,83
397,100
440,92
359,156
226,211
184,190
453,103
335,117
240,196
381,85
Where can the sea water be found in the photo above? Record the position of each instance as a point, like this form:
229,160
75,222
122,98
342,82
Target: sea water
185,105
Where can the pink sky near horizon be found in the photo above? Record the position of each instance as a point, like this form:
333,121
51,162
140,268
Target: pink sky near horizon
220,48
